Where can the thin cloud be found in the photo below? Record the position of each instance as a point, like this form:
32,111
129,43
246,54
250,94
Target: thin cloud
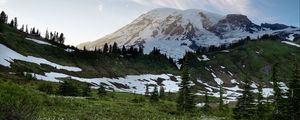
224,6
100,7
2,3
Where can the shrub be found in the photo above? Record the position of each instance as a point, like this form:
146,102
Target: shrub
18,103
68,89
46,87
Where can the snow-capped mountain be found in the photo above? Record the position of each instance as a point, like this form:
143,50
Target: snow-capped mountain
176,31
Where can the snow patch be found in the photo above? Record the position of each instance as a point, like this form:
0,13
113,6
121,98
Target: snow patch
233,81
291,43
7,56
291,37
204,58
39,41
130,83
69,50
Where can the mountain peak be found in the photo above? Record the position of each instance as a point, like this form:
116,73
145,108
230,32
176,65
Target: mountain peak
175,31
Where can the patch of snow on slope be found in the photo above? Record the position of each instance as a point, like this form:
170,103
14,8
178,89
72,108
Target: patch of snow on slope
290,43
7,55
291,37
135,83
253,85
204,58
38,41
233,81
230,73
69,50
218,80
230,93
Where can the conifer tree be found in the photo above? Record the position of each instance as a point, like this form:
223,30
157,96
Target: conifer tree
124,51
280,111
22,28
147,90
141,51
101,91
3,17
61,39
86,90
15,24
185,101
105,48
261,110
68,89
47,35
245,107
206,106
26,30
221,102
115,48
162,92
11,24
154,95
294,93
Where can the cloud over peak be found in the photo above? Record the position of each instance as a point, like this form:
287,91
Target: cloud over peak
223,6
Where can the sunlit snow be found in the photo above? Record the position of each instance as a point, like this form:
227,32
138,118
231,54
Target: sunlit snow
7,56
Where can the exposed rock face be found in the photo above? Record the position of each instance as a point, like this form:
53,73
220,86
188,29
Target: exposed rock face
275,26
176,31
234,22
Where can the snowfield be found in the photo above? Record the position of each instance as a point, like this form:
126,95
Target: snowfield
39,41
291,43
130,83
7,56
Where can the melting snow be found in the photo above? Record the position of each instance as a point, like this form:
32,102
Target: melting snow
233,81
69,50
38,41
290,43
291,37
204,58
7,55
135,83
218,81
253,85
230,73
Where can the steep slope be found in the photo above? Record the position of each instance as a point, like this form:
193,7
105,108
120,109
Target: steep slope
39,56
176,31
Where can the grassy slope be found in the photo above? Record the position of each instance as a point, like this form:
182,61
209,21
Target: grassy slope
93,66
256,64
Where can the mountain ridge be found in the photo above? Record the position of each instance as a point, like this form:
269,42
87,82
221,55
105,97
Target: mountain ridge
175,31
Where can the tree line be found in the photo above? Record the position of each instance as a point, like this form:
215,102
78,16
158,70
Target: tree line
53,37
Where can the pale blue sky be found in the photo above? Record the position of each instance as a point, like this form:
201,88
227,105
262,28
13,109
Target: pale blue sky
87,20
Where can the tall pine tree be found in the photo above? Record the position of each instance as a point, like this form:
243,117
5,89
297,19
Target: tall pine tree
3,17
221,102
294,93
206,106
245,107
154,95
280,111
261,110
185,101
